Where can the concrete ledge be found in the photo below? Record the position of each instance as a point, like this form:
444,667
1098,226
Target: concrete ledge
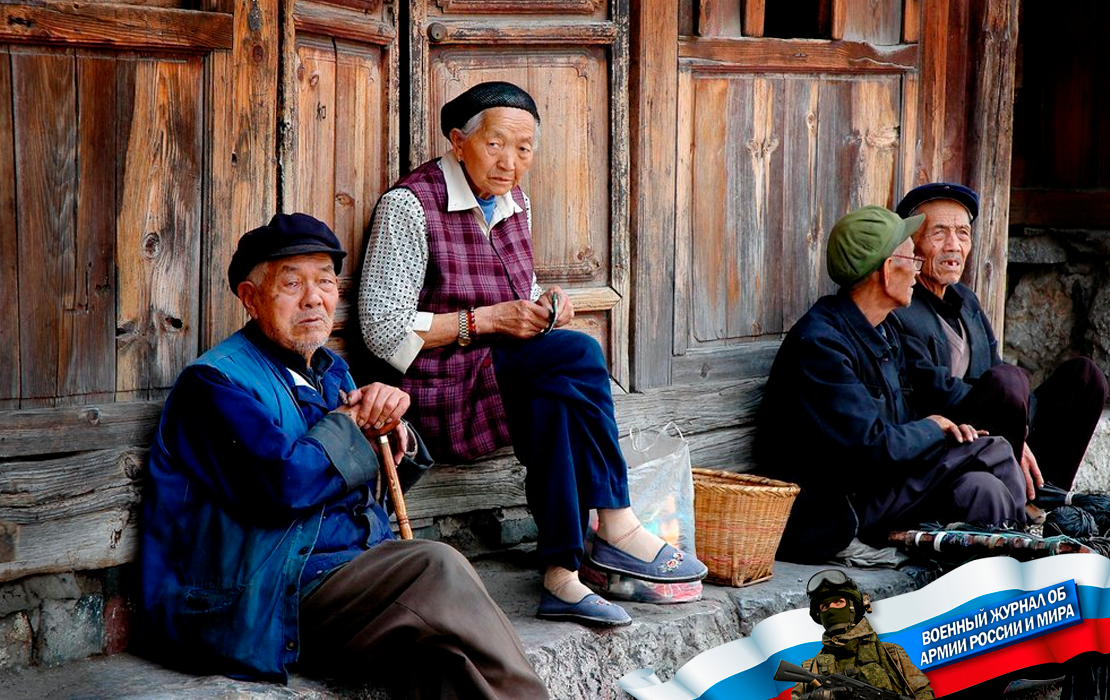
576,663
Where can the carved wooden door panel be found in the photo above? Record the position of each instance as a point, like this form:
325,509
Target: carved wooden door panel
571,55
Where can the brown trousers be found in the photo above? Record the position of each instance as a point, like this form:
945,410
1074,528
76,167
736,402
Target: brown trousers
415,614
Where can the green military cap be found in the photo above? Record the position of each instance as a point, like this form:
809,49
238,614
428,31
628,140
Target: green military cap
863,239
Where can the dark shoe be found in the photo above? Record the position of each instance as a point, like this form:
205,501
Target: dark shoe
591,610
669,566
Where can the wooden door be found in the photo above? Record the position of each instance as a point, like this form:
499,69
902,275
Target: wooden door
339,149
813,130
571,55
131,132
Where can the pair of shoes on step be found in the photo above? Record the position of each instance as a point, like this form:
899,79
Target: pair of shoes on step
670,565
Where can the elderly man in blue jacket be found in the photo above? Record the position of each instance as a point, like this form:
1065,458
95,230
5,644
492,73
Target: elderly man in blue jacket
835,417
264,543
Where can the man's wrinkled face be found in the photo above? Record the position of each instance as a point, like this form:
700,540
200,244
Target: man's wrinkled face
944,242
498,154
293,300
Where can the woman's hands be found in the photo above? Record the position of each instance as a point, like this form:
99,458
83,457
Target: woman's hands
523,319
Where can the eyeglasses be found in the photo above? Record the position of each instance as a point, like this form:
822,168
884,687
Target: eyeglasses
918,263
834,577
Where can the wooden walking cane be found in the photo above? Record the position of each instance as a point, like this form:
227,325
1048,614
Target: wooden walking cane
395,493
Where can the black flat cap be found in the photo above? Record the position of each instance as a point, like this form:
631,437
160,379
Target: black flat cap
939,190
456,113
285,235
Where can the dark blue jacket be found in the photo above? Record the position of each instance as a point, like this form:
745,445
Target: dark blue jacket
928,355
835,419
254,487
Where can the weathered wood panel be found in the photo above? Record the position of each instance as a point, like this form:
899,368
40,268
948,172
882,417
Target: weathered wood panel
653,117
989,147
874,22
93,541
341,22
44,431
766,185
933,95
87,362
312,189
803,238
363,168
710,234
158,232
241,92
114,25
786,56
45,199
82,484
9,247
77,512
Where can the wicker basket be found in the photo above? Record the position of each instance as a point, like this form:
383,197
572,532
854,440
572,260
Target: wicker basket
738,521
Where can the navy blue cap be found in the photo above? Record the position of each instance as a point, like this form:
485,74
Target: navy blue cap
285,235
966,196
456,113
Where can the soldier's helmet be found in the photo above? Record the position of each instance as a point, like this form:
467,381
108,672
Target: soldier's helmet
833,583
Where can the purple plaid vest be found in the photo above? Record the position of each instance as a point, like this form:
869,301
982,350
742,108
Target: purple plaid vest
457,405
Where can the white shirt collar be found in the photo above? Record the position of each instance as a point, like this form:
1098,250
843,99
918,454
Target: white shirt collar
461,198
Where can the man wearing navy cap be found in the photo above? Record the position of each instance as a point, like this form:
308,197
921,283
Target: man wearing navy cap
264,544
950,344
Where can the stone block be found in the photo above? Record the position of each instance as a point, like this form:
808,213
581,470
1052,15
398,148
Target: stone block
69,630
52,587
1036,250
1040,321
15,641
13,598
1094,472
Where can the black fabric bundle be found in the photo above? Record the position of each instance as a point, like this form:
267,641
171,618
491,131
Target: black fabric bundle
1071,521
1098,505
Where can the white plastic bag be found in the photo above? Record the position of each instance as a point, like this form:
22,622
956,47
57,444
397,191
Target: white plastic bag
661,485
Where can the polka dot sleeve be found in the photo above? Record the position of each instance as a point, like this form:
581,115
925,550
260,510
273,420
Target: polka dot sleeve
392,276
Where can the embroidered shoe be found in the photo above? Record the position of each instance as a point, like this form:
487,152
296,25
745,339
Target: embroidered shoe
591,610
669,566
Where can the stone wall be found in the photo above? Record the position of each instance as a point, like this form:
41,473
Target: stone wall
1058,298
50,619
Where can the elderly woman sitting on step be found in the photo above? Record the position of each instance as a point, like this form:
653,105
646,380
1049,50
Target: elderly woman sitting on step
449,298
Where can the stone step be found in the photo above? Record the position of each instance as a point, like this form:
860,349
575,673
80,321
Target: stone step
575,662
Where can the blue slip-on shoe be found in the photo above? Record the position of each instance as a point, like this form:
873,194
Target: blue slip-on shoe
669,566
591,610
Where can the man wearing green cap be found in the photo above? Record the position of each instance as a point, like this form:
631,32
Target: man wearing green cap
836,420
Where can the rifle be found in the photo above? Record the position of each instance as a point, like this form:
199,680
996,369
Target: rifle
860,689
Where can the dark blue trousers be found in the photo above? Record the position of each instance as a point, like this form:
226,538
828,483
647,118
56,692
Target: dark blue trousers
560,410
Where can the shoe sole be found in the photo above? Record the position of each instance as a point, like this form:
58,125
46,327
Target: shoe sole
650,579
582,620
